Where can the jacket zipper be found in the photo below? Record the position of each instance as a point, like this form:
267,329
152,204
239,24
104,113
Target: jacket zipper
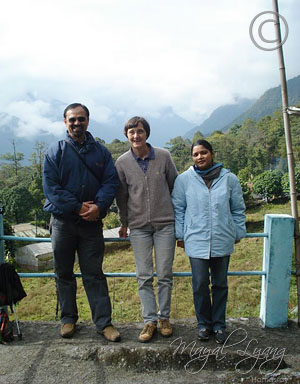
210,210
210,218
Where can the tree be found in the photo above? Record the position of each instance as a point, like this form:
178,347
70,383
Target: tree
255,145
38,199
37,158
235,129
268,185
198,136
18,203
14,159
10,246
180,151
295,128
244,177
117,147
101,141
286,183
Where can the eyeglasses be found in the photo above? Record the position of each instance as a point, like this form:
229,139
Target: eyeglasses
81,119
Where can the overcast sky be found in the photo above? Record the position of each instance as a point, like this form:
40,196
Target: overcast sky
134,57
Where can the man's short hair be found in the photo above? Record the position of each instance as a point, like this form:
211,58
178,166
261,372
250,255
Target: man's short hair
133,123
76,105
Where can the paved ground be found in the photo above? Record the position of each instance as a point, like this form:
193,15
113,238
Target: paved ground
250,355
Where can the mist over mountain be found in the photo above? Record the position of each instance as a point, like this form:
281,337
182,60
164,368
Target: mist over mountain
31,119
269,102
221,116
43,122
226,116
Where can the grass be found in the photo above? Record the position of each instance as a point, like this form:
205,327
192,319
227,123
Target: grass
244,291
255,215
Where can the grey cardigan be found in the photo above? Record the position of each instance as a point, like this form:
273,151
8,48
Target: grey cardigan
145,198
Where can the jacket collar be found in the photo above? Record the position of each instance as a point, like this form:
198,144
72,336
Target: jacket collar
89,140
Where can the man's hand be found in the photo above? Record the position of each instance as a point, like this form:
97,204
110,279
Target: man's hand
123,232
180,243
89,211
85,207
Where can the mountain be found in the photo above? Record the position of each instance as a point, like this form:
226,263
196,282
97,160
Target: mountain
47,126
227,116
166,126
220,117
269,102
163,126
31,119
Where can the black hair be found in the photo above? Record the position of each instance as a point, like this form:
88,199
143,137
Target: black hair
76,105
133,123
204,143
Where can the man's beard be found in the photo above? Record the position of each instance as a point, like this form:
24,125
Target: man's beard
77,132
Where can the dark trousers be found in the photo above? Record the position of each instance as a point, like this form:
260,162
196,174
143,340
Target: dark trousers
210,310
87,239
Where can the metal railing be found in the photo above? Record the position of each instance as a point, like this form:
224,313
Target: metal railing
275,273
107,240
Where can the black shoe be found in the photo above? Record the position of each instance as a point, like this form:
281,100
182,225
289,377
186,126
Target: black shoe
220,336
203,334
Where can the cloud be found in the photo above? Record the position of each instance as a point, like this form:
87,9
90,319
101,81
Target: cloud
31,119
134,57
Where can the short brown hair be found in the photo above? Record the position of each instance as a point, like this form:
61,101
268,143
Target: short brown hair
133,123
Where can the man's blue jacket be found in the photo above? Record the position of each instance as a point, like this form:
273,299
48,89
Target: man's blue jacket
68,183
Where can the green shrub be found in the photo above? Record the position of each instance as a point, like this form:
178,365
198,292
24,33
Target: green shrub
111,221
268,185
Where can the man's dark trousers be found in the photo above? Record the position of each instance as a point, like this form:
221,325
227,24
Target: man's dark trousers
87,238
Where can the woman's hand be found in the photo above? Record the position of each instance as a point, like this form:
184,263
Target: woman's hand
123,232
180,243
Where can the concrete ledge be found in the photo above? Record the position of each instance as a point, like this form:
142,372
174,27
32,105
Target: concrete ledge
250,353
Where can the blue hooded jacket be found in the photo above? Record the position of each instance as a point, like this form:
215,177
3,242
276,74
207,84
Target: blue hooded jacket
208,220
68,183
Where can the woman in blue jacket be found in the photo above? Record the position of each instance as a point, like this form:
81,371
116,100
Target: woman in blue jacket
209,220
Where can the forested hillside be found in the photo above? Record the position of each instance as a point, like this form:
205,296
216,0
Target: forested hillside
221,117
255,151
251,147
269,102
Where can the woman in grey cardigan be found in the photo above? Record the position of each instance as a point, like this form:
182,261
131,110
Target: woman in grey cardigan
147,176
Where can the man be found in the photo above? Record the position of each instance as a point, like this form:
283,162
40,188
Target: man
80,183
147,176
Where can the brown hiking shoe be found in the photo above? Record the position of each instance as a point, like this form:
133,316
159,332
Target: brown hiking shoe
111,333
147,332
67,330
165,327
